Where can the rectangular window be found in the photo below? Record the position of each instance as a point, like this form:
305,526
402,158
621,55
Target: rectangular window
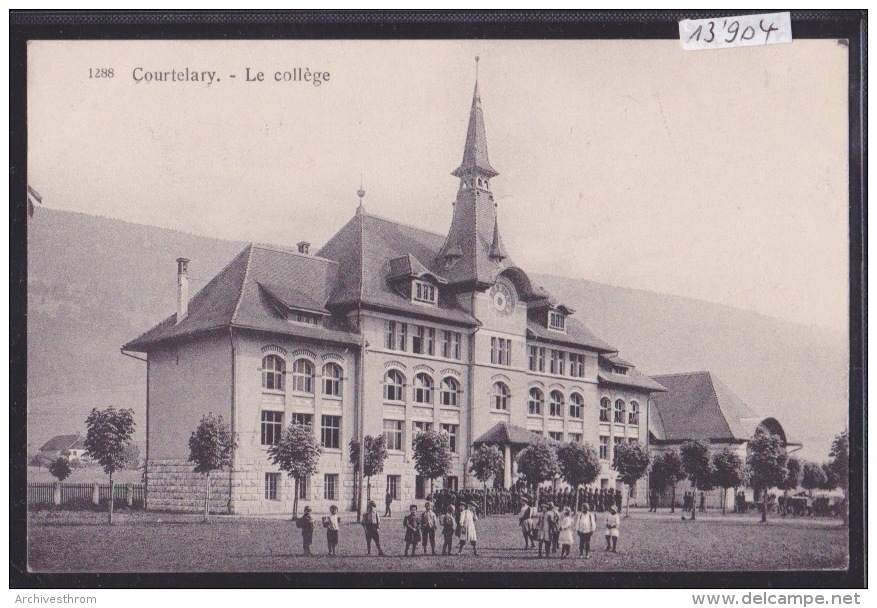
272,427
423,340
393,434
303,419
576,365
421,427
425,292
604,447
397,335
451,483
617,369
304,488
272,482
561,363
531,359
330,433
576,437
556,321
330,486
394,486
556,435
500,351
553,365
451,344
419,487
616,441
451,430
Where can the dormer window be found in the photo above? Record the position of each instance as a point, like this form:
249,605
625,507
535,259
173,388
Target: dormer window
303,318
556,320
618,369
423,291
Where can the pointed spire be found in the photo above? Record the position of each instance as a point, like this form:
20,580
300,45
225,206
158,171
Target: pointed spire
497,248
475,161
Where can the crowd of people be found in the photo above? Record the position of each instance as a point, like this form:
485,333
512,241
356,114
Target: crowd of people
549,518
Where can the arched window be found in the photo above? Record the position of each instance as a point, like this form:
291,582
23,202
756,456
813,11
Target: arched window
604,409
394,386
619,411
500,394
555,404
423,385
450,390
576,405
303,376
273,368
332,379
633,415
534,403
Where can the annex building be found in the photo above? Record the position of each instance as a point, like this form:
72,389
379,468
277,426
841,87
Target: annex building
388,329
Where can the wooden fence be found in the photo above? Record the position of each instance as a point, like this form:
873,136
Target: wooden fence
60,494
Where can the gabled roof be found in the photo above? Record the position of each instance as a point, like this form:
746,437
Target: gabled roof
59,443
239,296
698,405
363,249
633,379
504,433
576,334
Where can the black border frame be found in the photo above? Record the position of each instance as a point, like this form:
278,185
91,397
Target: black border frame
188,25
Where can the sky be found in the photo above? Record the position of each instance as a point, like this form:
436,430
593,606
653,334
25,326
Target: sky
719,175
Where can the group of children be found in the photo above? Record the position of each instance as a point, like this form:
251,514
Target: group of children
547,528
419,529
553,530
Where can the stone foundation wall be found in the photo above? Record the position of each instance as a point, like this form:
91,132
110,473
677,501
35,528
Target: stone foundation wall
173,485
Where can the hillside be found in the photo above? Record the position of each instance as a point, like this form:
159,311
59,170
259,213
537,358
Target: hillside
94,283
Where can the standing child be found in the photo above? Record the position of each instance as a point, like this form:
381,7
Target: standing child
467,532
612,523
371,523
428,525
565,536
306,523
412,530
332,524
449,524
585,526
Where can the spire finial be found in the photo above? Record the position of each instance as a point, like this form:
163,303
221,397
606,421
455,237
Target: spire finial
361,194
477,59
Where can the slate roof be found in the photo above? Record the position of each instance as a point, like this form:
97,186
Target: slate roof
503,433
475,150
576,335
239,296
363,249
698,405
59,443
633,378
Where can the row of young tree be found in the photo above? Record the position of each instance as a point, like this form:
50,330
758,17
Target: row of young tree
767,466
298,453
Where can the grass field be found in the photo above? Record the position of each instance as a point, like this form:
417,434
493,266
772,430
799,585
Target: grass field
154,542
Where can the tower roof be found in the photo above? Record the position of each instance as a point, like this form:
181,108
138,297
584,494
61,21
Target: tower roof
475,159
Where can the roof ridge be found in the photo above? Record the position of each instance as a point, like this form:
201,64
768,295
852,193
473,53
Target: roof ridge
709,373
407,225
243,285
722,413
282,249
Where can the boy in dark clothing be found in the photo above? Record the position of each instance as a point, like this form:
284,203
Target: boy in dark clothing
449,526
411,524
372,525
306,523
428,525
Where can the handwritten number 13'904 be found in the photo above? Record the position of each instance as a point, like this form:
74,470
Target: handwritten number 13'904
732,30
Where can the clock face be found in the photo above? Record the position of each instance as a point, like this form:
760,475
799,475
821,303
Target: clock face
503,297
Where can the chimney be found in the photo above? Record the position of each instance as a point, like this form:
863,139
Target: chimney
304,247
182,288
